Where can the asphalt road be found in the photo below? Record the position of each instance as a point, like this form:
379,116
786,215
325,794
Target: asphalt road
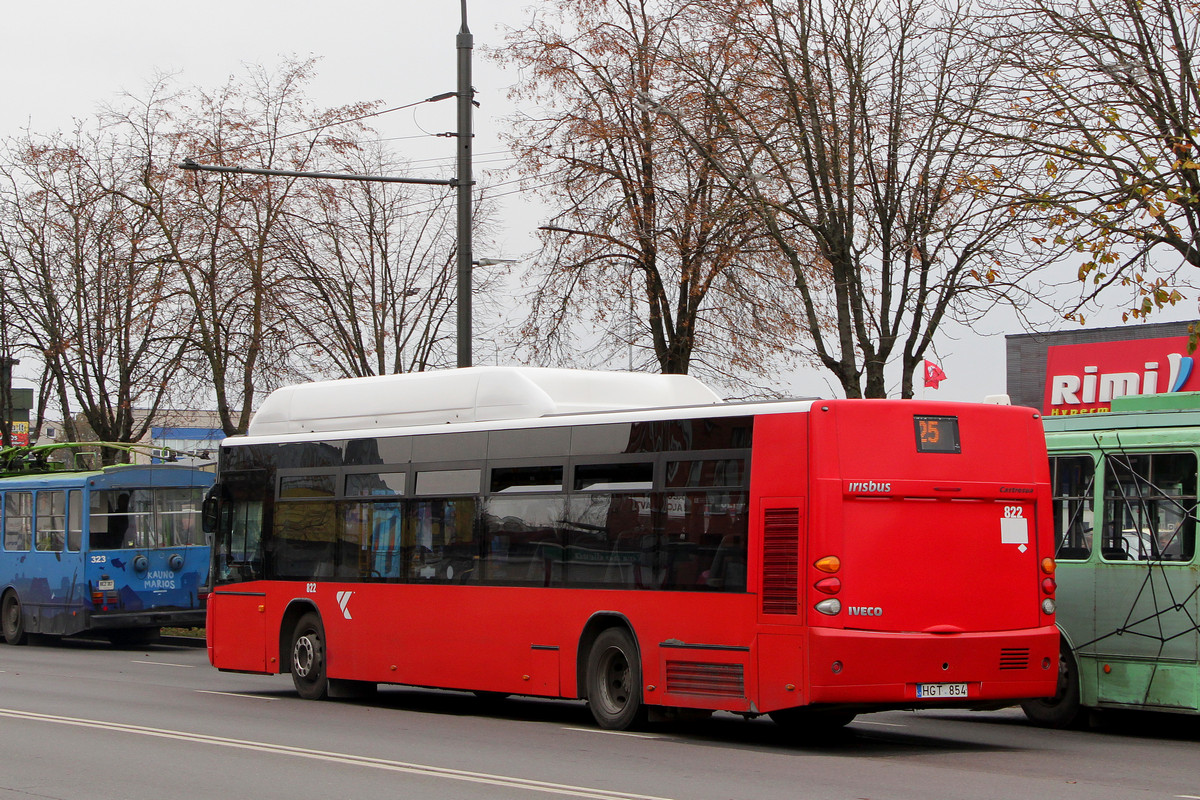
85,720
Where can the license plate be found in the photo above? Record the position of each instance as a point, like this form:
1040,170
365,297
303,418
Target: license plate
106,586
941,690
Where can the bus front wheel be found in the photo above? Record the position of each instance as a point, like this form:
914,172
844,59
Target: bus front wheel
13,619
1062,710
308,658
614,681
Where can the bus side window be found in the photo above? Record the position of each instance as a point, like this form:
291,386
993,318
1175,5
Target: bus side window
51,521
444,540
1150,507
1074,514
18,519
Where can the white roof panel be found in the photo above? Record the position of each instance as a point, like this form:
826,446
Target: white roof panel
473,394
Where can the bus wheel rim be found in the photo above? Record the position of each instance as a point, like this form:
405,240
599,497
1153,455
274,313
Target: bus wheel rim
303,656
615,669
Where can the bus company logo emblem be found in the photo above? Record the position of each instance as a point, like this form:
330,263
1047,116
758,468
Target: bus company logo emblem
344,601
869,487
865,611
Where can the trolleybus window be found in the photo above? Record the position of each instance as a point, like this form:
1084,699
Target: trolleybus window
1073,478
1150,507
18,520
51,523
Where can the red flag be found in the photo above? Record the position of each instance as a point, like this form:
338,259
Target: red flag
933,374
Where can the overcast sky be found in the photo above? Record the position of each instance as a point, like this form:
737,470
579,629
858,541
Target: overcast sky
62,60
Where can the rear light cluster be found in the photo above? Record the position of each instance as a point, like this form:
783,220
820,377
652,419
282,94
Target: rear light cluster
830,585
102,600
1049,585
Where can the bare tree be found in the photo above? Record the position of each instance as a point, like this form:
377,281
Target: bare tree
93,291
884,206
375,286
649,247
1106,98
227,234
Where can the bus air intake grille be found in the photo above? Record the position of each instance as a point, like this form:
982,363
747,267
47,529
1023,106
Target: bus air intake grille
781,536
1014,658
706,680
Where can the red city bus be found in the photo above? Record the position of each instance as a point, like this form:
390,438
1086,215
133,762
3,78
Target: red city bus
630,540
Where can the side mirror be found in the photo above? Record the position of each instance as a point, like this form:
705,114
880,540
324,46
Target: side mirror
209,513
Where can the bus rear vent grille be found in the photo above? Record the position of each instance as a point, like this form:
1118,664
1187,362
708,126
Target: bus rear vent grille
1014,658
708,680
781,537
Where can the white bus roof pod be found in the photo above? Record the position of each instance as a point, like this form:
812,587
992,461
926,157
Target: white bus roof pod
473,394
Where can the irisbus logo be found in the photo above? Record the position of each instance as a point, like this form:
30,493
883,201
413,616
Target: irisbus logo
869,487
1083,379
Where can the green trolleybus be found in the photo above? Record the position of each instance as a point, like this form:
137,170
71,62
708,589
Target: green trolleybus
1128,581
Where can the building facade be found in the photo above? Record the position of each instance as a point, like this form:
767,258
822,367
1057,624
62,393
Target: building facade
1081,371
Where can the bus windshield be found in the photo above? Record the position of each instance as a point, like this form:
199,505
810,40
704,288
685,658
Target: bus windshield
145,518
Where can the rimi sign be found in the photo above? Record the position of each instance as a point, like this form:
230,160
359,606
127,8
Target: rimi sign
1084,378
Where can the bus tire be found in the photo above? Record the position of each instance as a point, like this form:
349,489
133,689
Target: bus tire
309,658
13,619
810,721
1062,710
614,681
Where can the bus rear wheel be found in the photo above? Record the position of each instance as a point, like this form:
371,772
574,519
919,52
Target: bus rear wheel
13,619
308,658
614,681
1062,710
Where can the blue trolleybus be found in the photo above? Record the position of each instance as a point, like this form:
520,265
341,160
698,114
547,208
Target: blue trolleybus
117,550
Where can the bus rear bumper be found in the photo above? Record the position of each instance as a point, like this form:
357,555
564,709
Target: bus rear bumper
896,669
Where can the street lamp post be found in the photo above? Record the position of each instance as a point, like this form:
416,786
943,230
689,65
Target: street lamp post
465,43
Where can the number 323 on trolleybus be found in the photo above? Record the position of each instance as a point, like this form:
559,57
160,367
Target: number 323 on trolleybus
631,540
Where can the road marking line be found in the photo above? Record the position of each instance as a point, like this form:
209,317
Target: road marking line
235,694
423,770
886,724
615,733
1187,797
164,664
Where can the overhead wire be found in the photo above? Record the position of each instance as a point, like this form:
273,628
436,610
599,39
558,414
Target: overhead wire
326,125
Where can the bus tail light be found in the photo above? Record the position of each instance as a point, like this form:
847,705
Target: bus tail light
831,606
829,585
1048,605
1048,585
828,564
1048,565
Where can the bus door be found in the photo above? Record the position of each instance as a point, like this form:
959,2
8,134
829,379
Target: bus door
237,597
